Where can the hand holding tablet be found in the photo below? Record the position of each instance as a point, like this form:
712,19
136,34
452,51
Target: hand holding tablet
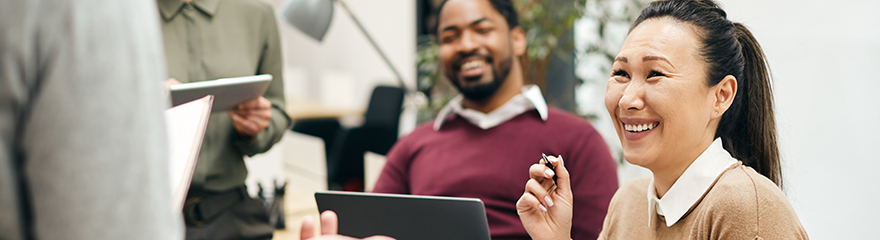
251,117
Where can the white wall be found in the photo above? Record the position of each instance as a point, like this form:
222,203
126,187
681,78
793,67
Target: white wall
343,69
824,56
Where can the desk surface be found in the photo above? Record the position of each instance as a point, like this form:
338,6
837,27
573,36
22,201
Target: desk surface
297,110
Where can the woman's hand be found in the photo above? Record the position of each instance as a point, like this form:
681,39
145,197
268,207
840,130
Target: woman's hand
329,226
545,208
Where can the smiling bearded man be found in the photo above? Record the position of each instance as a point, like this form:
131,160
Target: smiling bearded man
481,143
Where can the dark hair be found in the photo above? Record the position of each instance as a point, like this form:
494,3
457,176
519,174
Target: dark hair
748,128
503,7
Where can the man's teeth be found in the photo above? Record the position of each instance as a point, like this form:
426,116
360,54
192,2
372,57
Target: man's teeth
472,64
640,127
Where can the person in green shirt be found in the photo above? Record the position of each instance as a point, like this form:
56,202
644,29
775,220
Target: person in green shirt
211,39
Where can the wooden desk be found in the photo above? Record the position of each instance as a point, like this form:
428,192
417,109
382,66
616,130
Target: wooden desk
298,110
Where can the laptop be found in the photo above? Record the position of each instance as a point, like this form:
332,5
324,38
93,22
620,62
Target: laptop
406,217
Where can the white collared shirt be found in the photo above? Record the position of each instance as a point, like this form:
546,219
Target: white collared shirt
690,186
530,98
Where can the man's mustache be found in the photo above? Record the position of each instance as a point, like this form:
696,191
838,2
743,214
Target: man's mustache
456,64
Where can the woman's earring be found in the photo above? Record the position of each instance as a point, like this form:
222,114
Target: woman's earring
716,112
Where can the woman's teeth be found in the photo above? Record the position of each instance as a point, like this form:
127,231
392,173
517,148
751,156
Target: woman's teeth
472,64
640,127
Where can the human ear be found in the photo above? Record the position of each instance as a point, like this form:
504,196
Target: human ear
518,41
725,92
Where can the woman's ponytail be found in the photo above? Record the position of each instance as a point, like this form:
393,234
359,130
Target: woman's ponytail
752,137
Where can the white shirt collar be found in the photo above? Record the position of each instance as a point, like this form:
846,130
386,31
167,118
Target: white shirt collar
530,98
690,186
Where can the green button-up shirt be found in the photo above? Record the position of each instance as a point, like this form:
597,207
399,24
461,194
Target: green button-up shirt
210,39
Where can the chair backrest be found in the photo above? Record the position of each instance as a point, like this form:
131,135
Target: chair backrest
385,107
378,134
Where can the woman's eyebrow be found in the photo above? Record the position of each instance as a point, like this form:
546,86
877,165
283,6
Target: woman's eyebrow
657,58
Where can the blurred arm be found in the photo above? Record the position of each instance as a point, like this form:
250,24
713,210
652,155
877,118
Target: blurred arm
94,146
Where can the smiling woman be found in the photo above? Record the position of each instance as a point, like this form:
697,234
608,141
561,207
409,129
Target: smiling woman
663,108
690,98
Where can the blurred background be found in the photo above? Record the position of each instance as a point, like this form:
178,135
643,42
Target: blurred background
821,54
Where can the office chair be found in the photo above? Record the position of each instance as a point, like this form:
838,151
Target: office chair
324,128
345,148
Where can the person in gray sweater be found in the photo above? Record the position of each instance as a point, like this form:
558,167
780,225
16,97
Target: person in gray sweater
83,149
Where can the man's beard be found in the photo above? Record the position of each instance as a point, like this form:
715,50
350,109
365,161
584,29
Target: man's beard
483,91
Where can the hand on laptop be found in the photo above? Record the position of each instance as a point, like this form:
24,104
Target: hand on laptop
329,226
549,217
251,117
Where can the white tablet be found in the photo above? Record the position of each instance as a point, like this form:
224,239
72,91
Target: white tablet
406,217
228,92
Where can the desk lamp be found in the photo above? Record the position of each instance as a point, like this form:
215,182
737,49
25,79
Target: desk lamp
313,17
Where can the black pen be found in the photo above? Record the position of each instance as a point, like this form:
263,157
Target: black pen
547,163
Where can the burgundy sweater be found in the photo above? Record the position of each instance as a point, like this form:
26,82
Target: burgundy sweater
462,160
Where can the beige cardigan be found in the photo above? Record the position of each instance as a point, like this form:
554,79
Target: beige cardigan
741,204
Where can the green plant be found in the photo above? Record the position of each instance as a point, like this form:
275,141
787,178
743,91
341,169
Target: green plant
608,17
429,82
547,23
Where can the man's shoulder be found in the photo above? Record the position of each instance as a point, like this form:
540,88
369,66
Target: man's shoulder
424,128
565,118
421,131
563,123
